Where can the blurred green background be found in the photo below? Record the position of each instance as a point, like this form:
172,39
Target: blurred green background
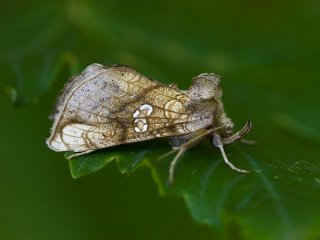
266,52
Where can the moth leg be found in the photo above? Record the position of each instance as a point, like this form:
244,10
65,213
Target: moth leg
218,142
189,141
247,141
178,141
239,135
173,164
79,154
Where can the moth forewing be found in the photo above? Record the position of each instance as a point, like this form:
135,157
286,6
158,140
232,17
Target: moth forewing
107,106
113,105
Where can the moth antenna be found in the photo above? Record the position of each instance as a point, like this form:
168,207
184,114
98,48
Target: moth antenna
217,142
173,164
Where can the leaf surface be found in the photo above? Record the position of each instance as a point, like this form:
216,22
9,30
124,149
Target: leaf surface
277,194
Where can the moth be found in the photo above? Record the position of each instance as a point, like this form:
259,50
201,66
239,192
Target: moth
106,106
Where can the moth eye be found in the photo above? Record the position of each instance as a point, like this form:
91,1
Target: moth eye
229,128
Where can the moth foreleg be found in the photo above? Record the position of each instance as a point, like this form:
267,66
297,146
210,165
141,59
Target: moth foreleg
79,154
218,142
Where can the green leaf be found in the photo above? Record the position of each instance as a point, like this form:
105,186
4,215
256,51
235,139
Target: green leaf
87,164
128,158
275,195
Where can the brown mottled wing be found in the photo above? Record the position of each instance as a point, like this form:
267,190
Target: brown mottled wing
107,106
